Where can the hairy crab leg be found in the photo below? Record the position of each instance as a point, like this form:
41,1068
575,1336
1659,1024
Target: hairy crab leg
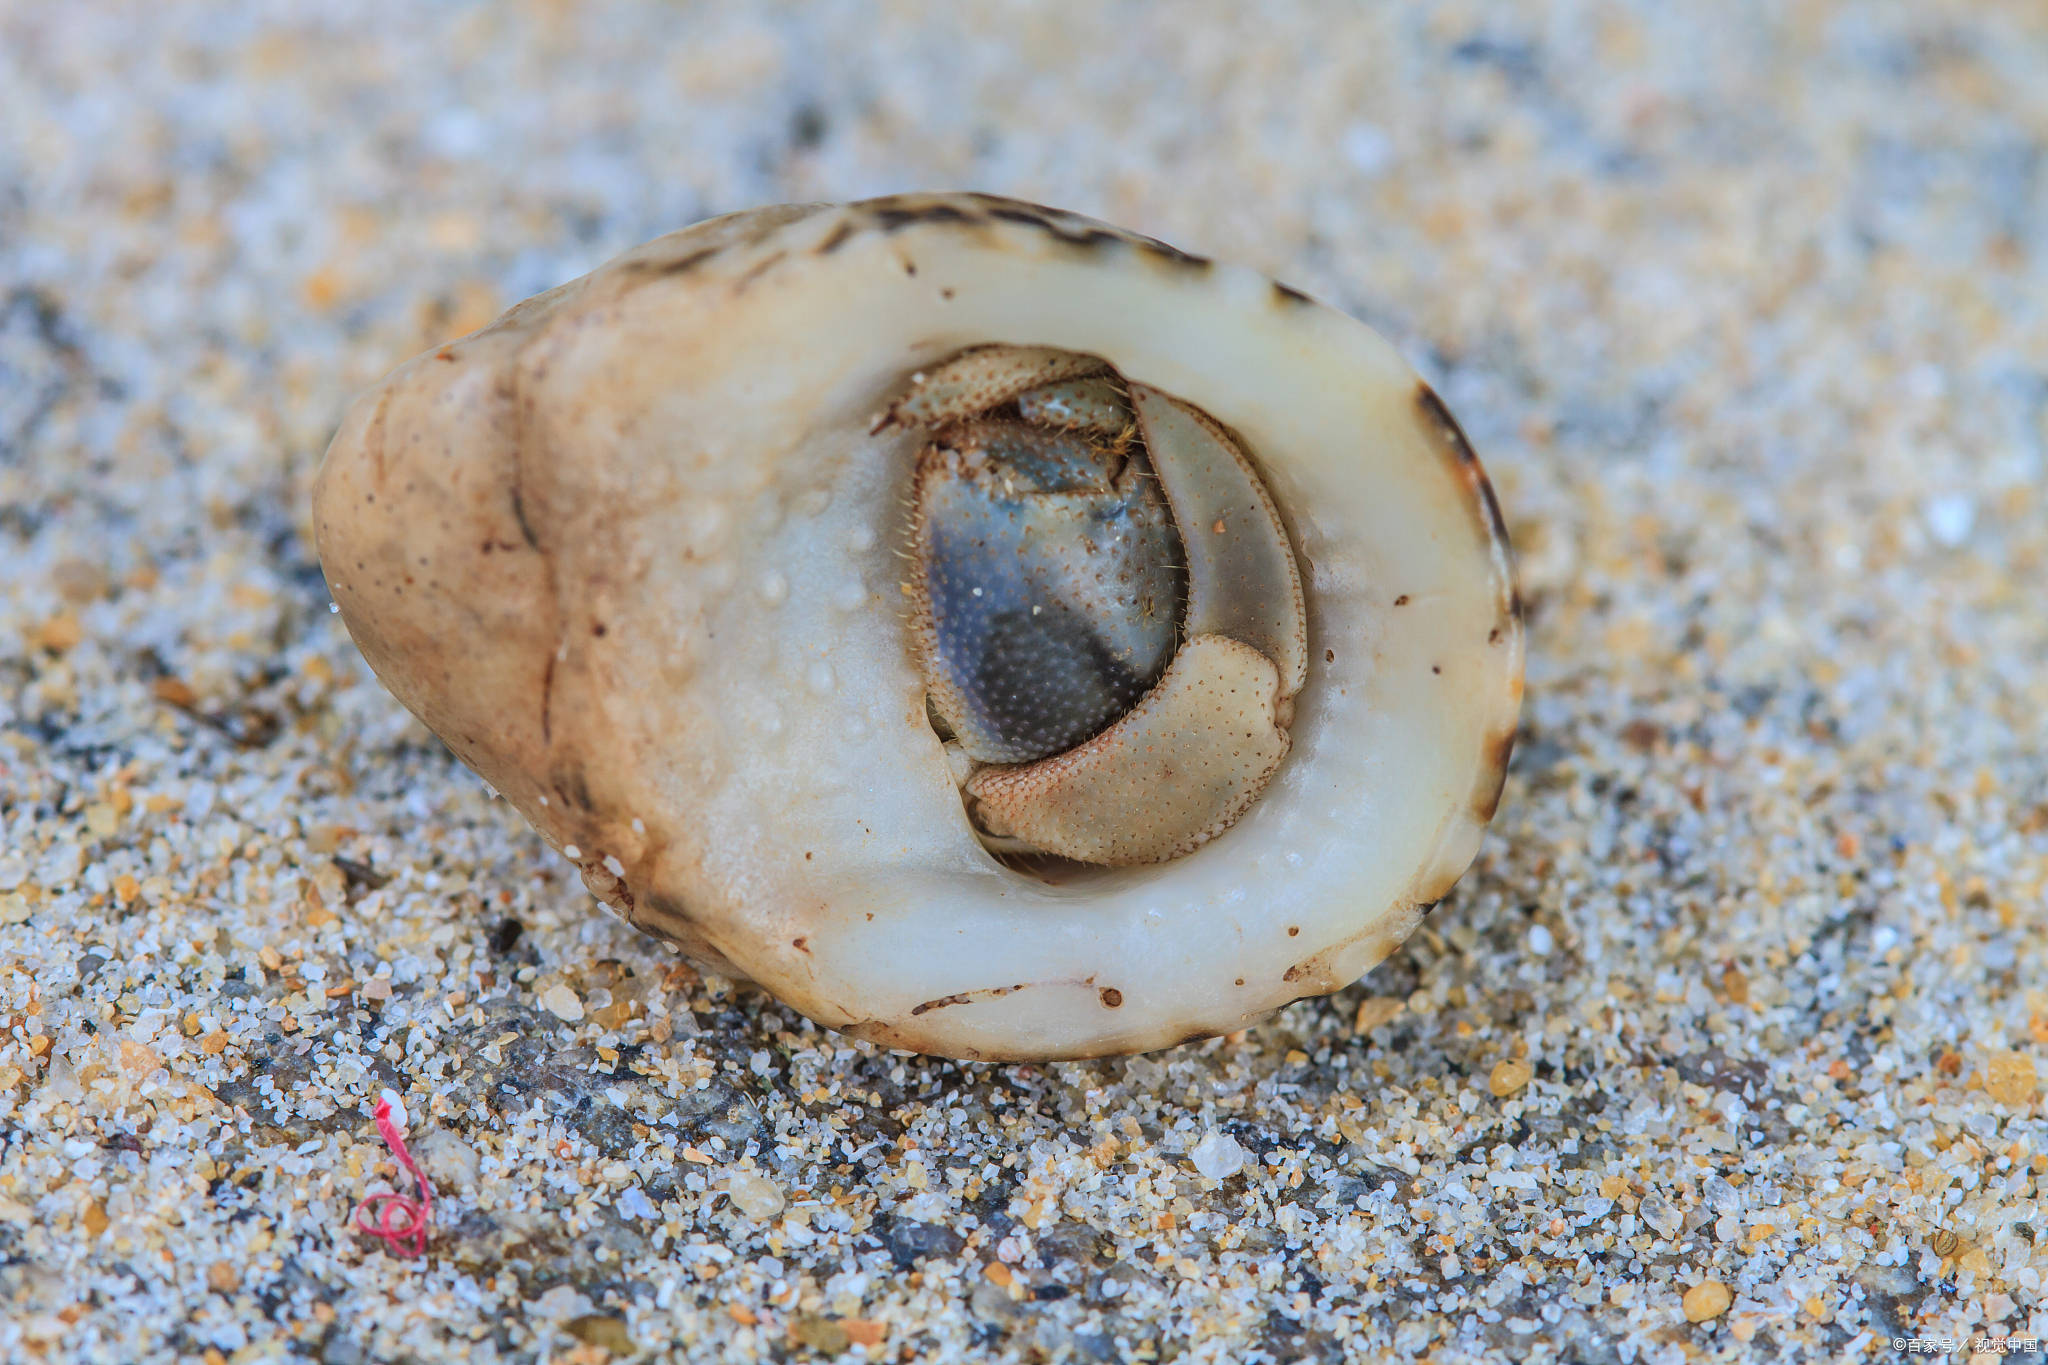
1095,406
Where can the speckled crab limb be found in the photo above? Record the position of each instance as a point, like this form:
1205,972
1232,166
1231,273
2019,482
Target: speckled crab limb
980,379
1095,406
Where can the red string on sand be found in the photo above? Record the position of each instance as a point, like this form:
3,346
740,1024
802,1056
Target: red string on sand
397,1218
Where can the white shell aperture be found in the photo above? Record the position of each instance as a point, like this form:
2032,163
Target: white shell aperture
635,553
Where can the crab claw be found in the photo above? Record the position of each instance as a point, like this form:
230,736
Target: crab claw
1174,773
1107,606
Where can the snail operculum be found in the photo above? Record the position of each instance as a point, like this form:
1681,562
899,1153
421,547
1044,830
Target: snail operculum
1107,611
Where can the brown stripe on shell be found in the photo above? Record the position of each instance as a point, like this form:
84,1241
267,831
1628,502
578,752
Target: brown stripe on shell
905,211
965,997
1017,211
1317,969
1287,293
758,269
1490,504
680,264
893,215
1494,526
1431,894
1486,796
1440,418
572,788
1173,255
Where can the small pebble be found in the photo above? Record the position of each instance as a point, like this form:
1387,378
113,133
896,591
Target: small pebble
1509,1076
603,1331
1707,1300
1661,1214
1375,1010
634,1203
1217,1156
2011,1078
755,1196
562,1002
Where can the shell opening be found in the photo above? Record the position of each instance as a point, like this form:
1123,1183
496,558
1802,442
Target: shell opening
1106,609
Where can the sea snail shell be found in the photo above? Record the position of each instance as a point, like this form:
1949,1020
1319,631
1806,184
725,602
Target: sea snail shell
664,555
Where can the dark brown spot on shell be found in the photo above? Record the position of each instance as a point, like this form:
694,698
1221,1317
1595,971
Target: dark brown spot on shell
1111,997
1402,600
1287,293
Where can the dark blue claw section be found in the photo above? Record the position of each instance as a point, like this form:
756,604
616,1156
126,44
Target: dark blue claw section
1052,572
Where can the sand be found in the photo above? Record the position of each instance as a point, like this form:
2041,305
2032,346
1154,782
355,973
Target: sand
1729,1046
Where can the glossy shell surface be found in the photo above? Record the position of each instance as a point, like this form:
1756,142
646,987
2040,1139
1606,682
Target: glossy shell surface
634,552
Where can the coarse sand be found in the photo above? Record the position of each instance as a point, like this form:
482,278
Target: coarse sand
1729,1046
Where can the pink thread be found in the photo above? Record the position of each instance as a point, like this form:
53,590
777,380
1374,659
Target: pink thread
398,1218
